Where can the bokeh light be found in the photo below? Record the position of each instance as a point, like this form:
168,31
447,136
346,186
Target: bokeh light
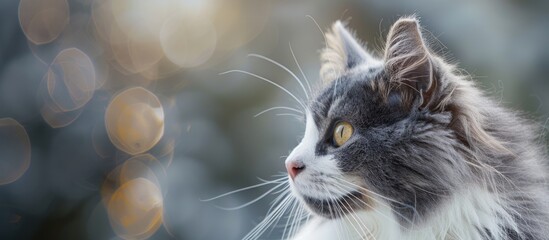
236,13
135,209
15,150
142,166
188,41
134,120
57,118
133,197
71,79
50,111
43,21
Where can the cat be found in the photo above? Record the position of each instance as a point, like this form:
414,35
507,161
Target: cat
403,146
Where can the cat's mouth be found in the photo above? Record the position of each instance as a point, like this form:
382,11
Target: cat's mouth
337,207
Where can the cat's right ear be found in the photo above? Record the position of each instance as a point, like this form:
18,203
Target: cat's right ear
343,52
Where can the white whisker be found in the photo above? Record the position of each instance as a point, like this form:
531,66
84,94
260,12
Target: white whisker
300,69
291,217
269,81
377,194
255,200
290,114
278,107
319,28
243,189
326,43
333,199
359,222
271,216
376,210
285,68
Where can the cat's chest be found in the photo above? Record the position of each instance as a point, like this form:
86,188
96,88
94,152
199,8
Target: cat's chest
358,226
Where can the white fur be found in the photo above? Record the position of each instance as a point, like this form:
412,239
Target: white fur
459,218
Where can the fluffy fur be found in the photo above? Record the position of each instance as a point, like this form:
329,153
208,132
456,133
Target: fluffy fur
431,156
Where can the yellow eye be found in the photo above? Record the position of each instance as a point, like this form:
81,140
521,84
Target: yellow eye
342,132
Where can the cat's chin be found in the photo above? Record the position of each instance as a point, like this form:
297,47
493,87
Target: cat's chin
335,208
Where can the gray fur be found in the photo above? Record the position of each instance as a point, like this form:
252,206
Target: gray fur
423,132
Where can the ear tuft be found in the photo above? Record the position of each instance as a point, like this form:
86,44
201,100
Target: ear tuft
343,51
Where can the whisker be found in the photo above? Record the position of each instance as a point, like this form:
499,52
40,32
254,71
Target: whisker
379,212
278,107
349,211
279,178
340,228
290,114
259,229
271,216
340,223
292,217
326,43
300,69
269,81
374,193
319,28
275,224
303,217
360,221
285,69
280,198
345,215
286,225
282,190
255,200
244,189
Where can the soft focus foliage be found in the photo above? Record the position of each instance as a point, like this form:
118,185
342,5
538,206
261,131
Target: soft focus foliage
115,122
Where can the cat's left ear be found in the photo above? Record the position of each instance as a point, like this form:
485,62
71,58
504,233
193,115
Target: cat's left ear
409,62
343,52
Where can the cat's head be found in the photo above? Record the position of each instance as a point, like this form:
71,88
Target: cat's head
383,130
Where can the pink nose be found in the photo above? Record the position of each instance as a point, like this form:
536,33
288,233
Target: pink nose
294,168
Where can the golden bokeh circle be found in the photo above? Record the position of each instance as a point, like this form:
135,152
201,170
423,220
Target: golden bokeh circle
140,166
42,21
135,209
15,150
134,120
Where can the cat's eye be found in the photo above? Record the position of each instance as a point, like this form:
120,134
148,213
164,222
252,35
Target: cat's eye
342,133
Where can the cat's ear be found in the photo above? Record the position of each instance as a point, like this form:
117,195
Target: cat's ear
409,62
343,51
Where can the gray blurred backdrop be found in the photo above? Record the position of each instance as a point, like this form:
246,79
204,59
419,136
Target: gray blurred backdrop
212,143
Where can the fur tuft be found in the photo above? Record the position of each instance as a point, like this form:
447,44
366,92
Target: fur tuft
333,57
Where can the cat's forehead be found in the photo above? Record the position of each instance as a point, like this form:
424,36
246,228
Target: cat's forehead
346,97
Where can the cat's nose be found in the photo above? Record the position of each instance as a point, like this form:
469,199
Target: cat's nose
294,168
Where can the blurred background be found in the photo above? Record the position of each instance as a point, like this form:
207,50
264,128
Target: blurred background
115,121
